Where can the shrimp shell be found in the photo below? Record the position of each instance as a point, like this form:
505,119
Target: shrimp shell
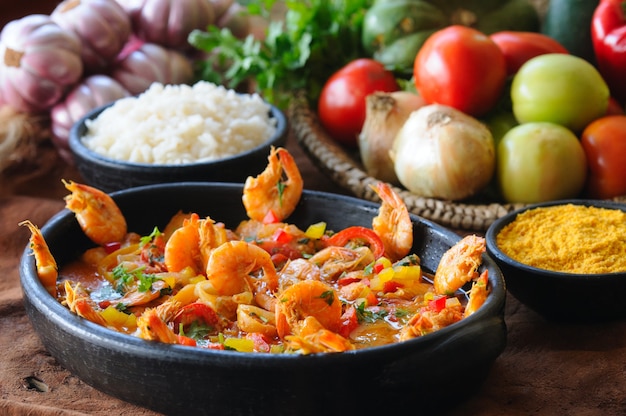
268,192
393,223
459,264
98,215
47,269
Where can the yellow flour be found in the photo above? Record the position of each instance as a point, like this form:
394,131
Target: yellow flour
568,238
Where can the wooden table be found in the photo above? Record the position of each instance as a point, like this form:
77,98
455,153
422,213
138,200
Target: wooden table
546,368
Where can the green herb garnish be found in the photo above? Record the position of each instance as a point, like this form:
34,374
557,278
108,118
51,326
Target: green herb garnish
316,38
328,296
124,278
148,238
368,315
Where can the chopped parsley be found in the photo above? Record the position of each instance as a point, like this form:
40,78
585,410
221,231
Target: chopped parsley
368,315
148,238
410,260
328,296
281,190
124,278
196,330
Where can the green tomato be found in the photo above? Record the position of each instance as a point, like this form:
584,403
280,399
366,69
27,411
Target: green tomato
559,88
539,162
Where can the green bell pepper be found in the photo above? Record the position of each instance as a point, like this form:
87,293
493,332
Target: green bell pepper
394,30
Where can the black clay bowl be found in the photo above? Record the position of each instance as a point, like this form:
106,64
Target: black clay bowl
558,296
112,175
434,371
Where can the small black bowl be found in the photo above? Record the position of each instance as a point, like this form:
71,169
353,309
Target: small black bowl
433,372
558,296
111,175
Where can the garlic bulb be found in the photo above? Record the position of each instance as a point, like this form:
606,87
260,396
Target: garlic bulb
443,153
385,113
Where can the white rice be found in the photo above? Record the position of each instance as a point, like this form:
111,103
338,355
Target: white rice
179,124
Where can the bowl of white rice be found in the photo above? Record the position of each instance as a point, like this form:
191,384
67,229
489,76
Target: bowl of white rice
176,133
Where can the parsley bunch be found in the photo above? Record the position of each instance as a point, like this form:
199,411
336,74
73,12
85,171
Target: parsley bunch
316,38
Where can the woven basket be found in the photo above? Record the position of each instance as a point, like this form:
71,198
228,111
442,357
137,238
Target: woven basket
347,172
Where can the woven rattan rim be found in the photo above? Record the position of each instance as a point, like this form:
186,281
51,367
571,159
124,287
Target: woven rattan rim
346,172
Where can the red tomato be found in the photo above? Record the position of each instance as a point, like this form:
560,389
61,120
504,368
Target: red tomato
195,312
460,67
341,106
519,47
604,142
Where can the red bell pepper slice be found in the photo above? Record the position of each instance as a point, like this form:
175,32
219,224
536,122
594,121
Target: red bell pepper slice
183,340
111,247
349,322
346,280
358,233
282,237
270,218
391,286
438,304
608,35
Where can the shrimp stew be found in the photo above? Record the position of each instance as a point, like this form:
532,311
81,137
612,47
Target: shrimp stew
266,285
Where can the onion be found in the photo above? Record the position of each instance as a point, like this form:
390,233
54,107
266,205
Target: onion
443,153
93,92
146,63
385,113
103,27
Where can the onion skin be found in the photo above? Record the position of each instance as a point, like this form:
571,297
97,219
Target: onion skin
103,27
39,60
146,63
443,153
93,92
169,22
385,113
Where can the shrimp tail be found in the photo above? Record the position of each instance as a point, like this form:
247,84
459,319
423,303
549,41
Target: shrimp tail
47,269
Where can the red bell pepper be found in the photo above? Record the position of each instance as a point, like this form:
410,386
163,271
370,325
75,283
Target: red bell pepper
349,322
608,34
363,234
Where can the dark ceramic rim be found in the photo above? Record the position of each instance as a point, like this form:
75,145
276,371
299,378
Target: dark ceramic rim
495,228
80,150
98,335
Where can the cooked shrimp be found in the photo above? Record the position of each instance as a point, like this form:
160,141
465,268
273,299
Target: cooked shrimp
269,193
478,294
96,212
231,264
297,270
135,297
182,249
47,269
393,224
212,235
151,327
459,264
314,338
307,299
334,260
152,324
78,302
428,320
